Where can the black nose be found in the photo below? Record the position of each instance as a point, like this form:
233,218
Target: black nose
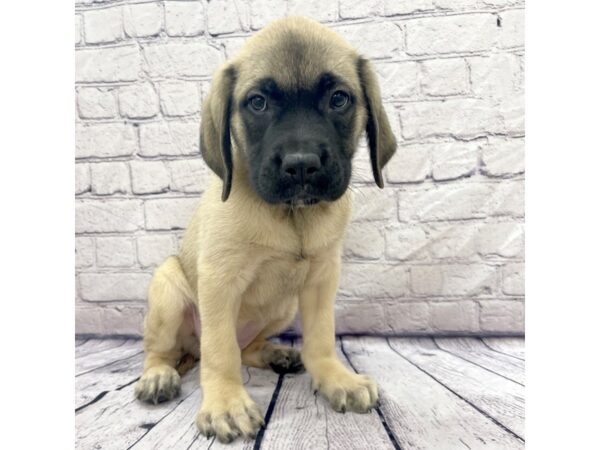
300,166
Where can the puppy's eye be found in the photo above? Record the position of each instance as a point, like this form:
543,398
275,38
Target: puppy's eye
258,103
339,99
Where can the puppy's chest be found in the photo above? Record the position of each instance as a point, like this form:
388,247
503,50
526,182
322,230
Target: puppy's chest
278,278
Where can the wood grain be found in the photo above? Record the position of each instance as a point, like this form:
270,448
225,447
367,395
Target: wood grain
107,356
119,420
421,412
514,347
90,385
499,398
448,393
303,420
97,345
475,351
178,429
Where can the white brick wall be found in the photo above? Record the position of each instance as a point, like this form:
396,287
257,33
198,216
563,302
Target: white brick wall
441,249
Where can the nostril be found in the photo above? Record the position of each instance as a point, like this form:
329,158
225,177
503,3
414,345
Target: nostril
311,170
291,171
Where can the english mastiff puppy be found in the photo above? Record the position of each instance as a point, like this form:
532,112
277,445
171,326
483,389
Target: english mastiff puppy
279,129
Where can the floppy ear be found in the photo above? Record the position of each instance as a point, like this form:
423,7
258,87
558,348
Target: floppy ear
382,143
215,140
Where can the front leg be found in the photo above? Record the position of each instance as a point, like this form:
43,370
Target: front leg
344,389
227,410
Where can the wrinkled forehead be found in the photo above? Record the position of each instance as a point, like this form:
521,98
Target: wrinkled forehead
295,62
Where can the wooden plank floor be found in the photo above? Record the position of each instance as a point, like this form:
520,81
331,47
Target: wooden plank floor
442,393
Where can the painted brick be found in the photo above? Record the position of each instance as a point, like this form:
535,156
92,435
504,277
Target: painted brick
95,216
496,75
110,178
456,4
225,16
444,202
115,252
503,157
454,159
373,281
84,252
179,98
316,9
501,316
105,140
455,241
358,316
410,317
189,175
169,138
153,249
512,111
500,3
78,28
184,18
103,25
357,9
138,101
149,177
232,45
107,64
398,80
264,12
448,76
169,214
96,103
82,178
103,287
394,7
507,199
374,40
453,280
452,117
411,163
364,241
175,59
372,203
505,239
143,19
513,28
454,316
404,242
513,279
109,319
394,119
451,34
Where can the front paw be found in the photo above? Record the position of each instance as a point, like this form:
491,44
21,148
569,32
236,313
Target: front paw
158,384
229,415
347,391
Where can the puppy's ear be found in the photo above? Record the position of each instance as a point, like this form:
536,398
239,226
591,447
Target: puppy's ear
382,143
215,140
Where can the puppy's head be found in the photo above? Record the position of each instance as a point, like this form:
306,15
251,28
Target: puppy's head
293,103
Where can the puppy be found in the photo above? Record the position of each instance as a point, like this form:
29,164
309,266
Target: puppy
279,129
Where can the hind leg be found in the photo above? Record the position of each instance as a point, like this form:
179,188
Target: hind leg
262,353
165,332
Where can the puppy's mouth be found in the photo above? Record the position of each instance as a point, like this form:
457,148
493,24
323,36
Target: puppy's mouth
303,197
300,202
